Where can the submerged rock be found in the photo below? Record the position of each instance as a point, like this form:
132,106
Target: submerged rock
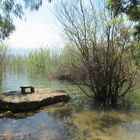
15,101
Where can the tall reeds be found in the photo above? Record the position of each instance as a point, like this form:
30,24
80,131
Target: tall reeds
39,61
3,60
17,63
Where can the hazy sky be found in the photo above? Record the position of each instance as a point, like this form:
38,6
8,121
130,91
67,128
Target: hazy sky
37,29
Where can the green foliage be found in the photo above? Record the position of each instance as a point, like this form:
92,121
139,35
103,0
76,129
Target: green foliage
68,59
10,9
135,51
17,63
3,60
103,42
130,7
39,61
115,21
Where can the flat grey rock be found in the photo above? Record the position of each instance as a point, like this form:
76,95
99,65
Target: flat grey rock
15,101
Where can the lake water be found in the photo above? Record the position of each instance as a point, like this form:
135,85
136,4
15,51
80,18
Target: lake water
79,119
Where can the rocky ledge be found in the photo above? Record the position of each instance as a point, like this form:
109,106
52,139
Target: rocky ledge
16,101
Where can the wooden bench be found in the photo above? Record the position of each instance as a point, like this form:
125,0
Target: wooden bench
23,89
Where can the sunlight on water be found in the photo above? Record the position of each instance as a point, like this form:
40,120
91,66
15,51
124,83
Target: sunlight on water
76,120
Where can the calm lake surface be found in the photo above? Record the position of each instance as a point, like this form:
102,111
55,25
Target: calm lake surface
78,119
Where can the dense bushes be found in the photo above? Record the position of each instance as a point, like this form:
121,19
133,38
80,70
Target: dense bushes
103,42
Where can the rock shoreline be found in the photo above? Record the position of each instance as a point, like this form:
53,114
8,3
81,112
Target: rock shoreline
15,101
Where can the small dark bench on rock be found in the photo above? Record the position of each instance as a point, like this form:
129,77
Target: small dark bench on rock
23,89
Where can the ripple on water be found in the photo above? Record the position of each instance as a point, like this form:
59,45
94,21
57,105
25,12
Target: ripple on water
75,120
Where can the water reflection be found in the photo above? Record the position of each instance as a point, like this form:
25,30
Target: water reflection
40,126
70,121
78,119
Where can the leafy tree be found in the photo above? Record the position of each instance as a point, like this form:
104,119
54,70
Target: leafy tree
129,7
10,9
102,42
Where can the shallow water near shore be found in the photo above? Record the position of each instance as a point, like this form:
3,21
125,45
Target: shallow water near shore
79,119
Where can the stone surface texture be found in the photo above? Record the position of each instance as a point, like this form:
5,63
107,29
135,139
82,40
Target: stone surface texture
15,101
